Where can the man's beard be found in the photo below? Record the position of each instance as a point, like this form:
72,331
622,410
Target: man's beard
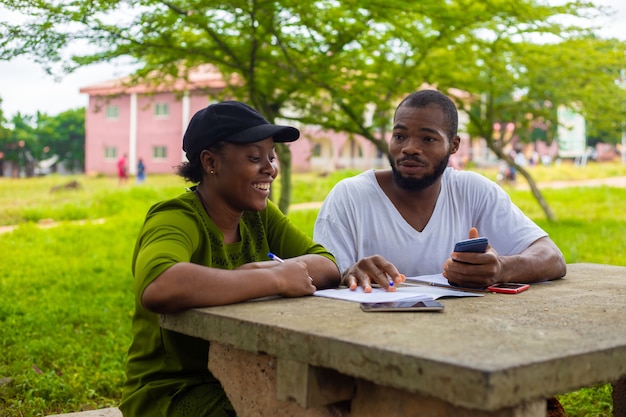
418,184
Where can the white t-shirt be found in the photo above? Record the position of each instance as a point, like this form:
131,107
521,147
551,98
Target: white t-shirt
357,220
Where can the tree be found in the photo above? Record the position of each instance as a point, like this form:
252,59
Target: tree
582,71
286,58
35,138
515,81
4,136
63,135
322,62
17,146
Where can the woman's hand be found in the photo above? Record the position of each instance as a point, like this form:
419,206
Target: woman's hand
294,279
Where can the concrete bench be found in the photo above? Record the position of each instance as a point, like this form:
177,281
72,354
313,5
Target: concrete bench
103,412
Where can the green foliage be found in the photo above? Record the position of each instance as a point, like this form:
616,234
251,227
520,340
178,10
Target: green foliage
588,69
342,65
35,138
19,140
588,402
63,135
67,300
313,186
66,292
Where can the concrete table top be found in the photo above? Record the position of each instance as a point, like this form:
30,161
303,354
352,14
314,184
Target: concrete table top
483,353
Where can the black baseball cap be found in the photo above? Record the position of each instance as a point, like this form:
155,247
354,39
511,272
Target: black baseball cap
231,121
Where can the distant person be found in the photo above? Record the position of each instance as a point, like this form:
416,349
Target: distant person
141,172
546,160
207,247
504,172
122,170
382,223
534,159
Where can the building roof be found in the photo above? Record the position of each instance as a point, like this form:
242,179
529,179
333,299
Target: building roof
204,76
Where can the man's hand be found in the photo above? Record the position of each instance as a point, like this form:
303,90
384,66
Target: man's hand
372,270
471,269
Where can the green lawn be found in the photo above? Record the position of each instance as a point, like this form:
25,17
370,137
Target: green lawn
66,289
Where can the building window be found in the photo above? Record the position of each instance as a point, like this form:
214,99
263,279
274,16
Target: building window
161,110
110,152
112,112
159,152
317,150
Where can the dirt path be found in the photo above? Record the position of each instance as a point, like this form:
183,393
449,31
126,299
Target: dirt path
612,182
522,185
48,223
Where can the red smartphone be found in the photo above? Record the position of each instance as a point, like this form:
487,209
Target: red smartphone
508,287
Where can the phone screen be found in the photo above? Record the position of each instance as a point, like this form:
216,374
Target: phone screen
404,305
478,244
508,285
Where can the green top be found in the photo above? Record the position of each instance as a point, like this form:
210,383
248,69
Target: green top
161,362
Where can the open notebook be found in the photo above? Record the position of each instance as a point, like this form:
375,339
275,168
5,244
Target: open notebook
427,287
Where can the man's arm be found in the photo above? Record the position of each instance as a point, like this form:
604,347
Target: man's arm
541,261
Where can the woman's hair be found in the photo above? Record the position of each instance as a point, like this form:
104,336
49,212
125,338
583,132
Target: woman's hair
192,171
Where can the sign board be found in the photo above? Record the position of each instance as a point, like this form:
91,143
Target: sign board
571,133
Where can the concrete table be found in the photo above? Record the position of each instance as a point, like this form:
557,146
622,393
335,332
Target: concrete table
497,355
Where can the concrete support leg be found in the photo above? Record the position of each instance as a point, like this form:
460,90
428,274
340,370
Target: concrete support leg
249,380
258,388
619,398
374,401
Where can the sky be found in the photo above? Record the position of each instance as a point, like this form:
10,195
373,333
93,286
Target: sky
26,88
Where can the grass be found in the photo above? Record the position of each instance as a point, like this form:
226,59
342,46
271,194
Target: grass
66,291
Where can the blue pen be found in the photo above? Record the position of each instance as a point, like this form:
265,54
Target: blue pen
275,258
278,259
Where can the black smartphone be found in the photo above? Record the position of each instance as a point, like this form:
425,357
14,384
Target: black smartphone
477,244
403,305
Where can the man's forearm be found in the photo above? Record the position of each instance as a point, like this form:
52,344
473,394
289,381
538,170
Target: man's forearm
541,261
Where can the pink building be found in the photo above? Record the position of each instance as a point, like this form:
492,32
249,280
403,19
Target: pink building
146,122
142,122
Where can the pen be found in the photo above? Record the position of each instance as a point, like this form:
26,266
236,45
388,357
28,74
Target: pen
275,258
278,259
450,287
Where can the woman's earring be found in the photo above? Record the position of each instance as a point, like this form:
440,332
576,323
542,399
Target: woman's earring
212,172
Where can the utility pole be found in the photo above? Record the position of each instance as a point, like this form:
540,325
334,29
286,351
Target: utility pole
622,83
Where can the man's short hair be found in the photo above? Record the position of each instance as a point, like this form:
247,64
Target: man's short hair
425,98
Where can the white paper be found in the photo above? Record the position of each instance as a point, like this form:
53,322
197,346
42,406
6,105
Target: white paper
378,295
435,279
437,292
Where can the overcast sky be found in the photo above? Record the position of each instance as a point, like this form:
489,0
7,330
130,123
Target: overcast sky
25,87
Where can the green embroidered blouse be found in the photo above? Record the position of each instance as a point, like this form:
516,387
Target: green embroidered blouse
161,363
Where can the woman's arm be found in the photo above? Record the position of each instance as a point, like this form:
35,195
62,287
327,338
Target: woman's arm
186,285
322,270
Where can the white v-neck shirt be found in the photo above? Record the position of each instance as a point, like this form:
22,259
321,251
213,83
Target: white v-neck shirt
357,219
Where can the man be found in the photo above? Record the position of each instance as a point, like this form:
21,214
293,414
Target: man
381,224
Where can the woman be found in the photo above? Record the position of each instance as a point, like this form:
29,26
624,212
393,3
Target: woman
209,247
